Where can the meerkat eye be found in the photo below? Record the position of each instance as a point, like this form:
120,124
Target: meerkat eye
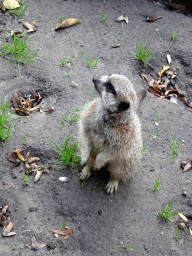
123,106
110,88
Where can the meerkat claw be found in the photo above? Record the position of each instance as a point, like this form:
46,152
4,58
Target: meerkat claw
85,174
112,186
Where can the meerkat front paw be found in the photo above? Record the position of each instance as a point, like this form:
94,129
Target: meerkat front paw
85,174
112,186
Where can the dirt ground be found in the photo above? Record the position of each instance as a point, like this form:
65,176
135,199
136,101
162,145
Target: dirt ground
100,222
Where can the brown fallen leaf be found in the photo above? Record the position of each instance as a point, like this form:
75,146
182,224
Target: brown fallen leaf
31,27
14,159
123,17
8,225
2,213
172,92
26,106
66,232
151,19
18,153
166,67
115,46
32,160
66,23
171,73
37,98
16,32
188,166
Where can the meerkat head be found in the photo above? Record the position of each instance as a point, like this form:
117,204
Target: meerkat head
116,92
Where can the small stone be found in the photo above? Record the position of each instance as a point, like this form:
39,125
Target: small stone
51,246
63,179
99,212
33,209
184,193
152,169
181,225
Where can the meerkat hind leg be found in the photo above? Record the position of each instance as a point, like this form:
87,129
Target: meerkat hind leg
86,172
112,185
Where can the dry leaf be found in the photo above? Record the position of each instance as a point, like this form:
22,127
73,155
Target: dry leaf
7,228
68,65
31,27
4,209
17,151
38,175
37,98
166,67
182,217
171,73
11,4
66,232
115,46
151,19
187,167
26,106
13,158
32,160
16,32
123,17
67,23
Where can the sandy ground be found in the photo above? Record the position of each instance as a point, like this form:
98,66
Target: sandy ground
100,222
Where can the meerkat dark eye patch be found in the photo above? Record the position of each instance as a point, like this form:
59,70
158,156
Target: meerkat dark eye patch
96,85
123,106
110,88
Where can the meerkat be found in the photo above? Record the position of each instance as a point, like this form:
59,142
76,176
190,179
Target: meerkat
110,130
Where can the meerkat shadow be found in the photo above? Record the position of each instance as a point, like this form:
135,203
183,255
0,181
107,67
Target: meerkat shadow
102,174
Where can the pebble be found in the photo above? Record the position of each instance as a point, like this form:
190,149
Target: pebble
63,179
181,225
184,193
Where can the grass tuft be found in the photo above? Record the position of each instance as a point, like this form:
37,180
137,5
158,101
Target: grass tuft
6,124
20,12
19,51
174,147
67,153
91,62
142,53
125,247
174,35
166,212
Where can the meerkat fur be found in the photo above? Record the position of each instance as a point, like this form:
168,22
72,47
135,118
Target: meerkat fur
110,130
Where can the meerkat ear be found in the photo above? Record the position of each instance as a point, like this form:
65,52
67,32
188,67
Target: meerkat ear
110,88
123,106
